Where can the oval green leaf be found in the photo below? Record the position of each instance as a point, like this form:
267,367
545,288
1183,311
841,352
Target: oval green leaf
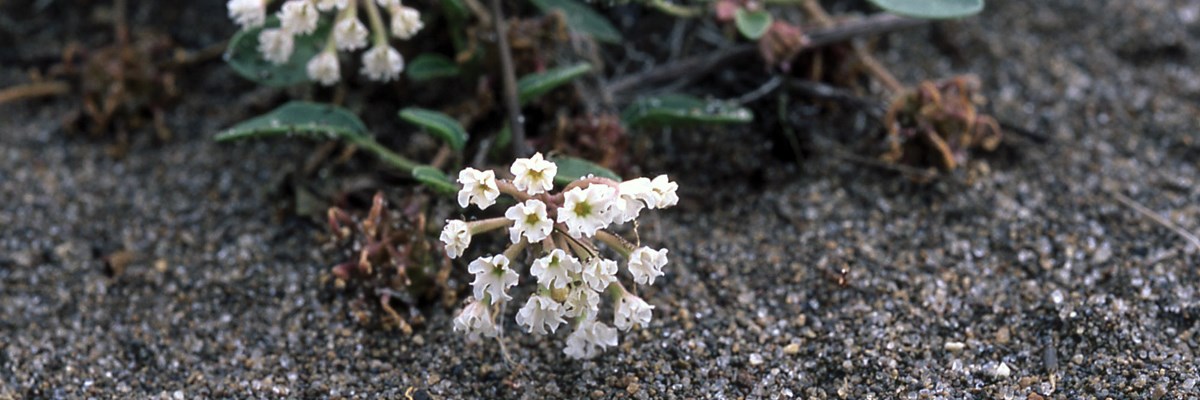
438,124
752,24
242,54
571,169
301,118
435,179
534,85
931,9
582,19
678,110
431,66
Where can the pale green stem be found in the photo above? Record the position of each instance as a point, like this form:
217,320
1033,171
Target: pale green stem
508,188
675,9
487,225
615,242
388,156
514,250
376,21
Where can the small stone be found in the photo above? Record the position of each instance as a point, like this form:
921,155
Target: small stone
756,359
791,349
1003,335
1002,370
954,346
633,388
418,340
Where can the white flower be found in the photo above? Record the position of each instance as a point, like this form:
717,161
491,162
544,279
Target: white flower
539,313
457,236
598,273
631,310
666,192
585,211
478,187
589,338
553,271
533,175
382,63
633,196
324,68
247,13
529,218
493,276
645,264
298,17
406,21
275,45
326,5
475,320
582,300
350,34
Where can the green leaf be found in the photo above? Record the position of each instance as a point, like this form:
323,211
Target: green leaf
440,125
582,19
300,118
752,24
534,85
435,179
931,9
242,54
571,169
431,66
675,110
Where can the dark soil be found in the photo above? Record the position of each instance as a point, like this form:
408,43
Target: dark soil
1023,261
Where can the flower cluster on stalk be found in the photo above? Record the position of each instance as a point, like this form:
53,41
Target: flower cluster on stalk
566,234
380,62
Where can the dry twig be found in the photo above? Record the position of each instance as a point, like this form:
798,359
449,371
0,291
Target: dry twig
1128,202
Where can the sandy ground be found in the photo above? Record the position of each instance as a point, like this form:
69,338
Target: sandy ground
1020,276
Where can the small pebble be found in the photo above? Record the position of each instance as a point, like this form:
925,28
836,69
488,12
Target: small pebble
1002,370
756,359
954,346
791,349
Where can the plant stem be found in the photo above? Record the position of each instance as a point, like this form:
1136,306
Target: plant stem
675,9
390,157
508,71
377,27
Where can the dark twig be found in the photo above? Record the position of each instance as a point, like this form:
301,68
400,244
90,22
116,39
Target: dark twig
699,65
515,120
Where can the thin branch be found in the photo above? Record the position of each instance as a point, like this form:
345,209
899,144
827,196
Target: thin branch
813,8
1128,202
515,120
32,90
702,64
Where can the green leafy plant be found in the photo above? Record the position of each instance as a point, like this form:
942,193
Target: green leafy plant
933,9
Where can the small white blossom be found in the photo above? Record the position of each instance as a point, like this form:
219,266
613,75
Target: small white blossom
326,5
598,273
529,219
633,196
589,338
645,264
457,236
631,310
475,320
324,68
350,34
247,13
585,211
478,187
406,21
382,63
555,269
275,45
666,191
299,17
493,277
533,175
539,313
582,300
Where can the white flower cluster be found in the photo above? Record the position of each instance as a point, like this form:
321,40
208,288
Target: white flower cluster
563,230
300,17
